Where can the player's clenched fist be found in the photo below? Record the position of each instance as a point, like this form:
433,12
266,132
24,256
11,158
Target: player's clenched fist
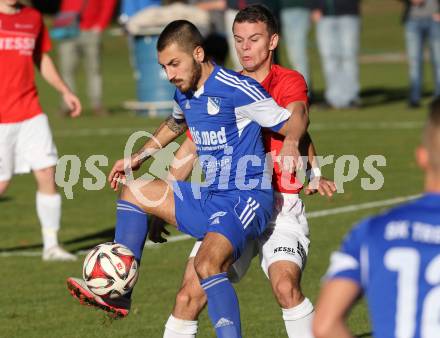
73,103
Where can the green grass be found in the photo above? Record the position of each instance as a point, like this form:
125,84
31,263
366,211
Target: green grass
35,302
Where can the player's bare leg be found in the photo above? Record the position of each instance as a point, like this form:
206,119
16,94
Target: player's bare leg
48,203
285,278
209,266
155,197
138,198
3,187
190,301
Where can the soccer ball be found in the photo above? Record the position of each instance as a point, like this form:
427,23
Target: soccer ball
110,270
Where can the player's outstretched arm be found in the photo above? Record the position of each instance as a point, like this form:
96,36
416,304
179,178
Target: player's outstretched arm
49,72
168,131
293,130
336,298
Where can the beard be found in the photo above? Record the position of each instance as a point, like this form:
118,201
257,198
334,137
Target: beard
196,74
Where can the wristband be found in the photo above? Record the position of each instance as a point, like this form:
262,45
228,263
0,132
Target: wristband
314,172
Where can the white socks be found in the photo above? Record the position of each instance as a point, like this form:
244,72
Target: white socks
49,214
180,328
298,320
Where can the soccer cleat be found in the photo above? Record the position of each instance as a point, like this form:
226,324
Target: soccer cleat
57,253
115,308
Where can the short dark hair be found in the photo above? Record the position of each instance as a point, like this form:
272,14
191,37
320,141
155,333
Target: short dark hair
258,13
182,32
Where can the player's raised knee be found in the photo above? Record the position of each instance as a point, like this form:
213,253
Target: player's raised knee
183,297
188,298
205,268
288,295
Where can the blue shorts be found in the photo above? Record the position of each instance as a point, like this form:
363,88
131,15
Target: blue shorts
236,214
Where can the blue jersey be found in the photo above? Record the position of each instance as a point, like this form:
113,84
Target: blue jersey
225,117
395,258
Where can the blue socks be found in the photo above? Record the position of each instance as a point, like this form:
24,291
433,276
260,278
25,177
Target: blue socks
223,308
131,231
131,227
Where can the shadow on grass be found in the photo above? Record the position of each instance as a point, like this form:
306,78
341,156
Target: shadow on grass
89,241
4,199
377,96
92,240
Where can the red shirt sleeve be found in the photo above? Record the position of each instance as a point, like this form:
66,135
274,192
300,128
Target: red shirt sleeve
43,43
294,89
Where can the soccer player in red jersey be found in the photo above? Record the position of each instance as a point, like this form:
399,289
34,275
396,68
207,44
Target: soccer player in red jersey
25,138
284,246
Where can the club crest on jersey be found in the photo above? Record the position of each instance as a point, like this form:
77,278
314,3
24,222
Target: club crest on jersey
213,105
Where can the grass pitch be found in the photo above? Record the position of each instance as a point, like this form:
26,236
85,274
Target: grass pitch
35,302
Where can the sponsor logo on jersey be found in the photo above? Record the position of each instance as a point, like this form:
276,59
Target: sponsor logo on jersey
24,26
213,105
213,166
24,45
187,105
209,138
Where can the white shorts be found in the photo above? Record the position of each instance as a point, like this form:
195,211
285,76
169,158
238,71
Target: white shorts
26,146
285,239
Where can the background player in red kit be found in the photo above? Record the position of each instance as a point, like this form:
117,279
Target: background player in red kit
25,138
284,246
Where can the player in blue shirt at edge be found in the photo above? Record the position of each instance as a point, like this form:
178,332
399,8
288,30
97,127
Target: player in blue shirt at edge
225,112
392,258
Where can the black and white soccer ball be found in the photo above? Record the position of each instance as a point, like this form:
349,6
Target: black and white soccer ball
110,270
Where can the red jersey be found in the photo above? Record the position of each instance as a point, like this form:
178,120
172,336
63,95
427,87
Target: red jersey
23,37
285,86
96,13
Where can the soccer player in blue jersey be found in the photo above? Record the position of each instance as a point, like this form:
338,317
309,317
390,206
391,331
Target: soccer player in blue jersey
225,112
283,248
394,259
